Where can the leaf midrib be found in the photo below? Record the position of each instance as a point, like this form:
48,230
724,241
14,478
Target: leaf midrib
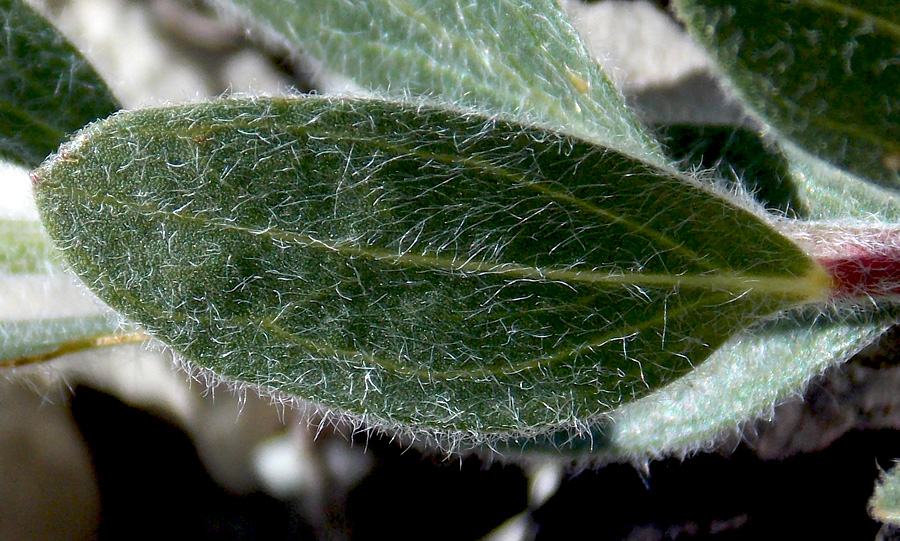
804,288
727,287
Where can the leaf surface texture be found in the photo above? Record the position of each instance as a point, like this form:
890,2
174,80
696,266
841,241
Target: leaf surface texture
410,264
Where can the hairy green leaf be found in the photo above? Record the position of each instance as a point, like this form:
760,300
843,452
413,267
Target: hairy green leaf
47,90
524,59
410,264
885,503
824,73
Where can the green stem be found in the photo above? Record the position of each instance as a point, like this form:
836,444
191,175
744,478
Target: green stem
75,346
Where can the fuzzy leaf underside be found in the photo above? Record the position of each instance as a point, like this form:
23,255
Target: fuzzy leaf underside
825,74
47,90
411,264
523,59
742,380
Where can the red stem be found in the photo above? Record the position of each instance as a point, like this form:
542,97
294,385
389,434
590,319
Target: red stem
862,261
864,275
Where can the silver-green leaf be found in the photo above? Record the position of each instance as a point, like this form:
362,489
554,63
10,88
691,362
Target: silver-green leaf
47,89
824,74
741,381
524,59
410,264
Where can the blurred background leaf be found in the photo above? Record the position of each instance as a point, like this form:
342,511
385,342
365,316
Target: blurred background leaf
738,156
47,89
47,92
823,74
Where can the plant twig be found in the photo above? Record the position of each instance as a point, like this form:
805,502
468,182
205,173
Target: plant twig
75,346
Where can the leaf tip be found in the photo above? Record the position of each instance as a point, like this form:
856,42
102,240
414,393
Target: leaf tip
69,153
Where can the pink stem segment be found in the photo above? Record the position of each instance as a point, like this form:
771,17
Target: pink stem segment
863,261
871,275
